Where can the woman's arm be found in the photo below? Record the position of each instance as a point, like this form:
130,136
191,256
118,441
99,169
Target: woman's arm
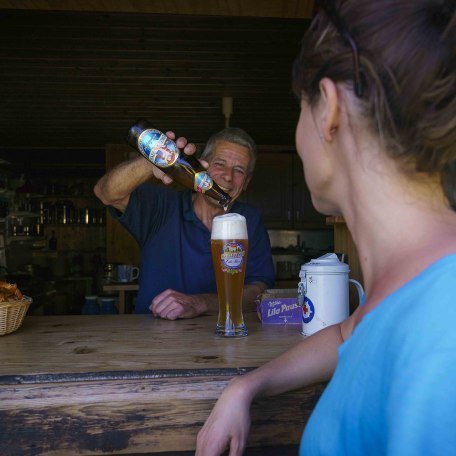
312,360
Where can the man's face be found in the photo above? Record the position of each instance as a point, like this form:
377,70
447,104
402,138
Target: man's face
229,167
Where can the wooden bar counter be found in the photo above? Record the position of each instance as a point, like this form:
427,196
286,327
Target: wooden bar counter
131,384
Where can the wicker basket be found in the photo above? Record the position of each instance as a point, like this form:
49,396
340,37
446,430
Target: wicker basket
12,314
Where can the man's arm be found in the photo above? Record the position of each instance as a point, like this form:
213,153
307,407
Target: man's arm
115,187
172,304
310,361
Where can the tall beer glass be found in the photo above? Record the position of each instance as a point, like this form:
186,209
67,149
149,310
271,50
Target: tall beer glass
229,246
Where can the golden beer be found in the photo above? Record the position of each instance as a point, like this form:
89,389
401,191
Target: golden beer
229,247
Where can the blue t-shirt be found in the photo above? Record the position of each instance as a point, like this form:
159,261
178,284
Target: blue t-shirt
176,246
394,389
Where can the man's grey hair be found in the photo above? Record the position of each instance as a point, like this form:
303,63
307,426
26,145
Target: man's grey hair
236,136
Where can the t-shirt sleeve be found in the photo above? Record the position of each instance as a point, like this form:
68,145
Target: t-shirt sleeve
144,212
260,267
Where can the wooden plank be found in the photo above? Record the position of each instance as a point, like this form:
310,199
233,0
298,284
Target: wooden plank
140,415
110,343
268,8
125,27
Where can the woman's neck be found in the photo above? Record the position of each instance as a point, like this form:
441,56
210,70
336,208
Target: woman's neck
400,226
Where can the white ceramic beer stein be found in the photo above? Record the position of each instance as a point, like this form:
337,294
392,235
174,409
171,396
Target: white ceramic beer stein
127,273
323,293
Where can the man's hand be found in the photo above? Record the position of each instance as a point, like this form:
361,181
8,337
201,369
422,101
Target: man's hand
182,144
172,305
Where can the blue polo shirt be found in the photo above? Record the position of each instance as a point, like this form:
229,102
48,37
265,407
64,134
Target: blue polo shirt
176,248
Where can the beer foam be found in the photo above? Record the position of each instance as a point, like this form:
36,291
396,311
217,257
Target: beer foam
229,226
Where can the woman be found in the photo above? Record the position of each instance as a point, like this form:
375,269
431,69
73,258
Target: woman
376,135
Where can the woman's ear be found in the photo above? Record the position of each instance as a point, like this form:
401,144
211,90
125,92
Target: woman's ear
329,100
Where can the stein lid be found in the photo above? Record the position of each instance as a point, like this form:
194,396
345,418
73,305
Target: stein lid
327,263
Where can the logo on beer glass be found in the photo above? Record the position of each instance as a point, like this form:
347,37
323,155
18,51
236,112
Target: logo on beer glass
232,257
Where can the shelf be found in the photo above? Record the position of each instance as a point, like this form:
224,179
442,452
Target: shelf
23,239
28,195
45,252
68,197
22,214
73,225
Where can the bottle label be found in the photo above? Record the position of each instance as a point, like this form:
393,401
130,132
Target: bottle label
203,182
232,257
158,148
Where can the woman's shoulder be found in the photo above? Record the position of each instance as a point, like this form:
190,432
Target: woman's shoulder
428,296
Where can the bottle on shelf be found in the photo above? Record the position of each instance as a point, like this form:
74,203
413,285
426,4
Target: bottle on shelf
164,153
53,241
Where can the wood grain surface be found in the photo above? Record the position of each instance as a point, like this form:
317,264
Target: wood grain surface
124,384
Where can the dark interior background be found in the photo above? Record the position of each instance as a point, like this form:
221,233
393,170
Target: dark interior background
75,75
73,81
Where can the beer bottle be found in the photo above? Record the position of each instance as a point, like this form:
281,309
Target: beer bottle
164,153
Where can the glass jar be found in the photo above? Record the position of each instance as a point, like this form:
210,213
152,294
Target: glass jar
91,306
108,306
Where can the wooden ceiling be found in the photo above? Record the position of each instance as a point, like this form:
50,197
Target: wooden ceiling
75,75
256,8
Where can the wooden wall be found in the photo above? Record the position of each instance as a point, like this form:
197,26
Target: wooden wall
254,8
76,80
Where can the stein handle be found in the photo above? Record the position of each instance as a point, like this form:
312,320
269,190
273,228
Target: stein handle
360,290
134,273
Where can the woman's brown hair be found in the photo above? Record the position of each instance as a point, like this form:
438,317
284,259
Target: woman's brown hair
407,59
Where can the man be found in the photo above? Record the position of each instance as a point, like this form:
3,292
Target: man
173,228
